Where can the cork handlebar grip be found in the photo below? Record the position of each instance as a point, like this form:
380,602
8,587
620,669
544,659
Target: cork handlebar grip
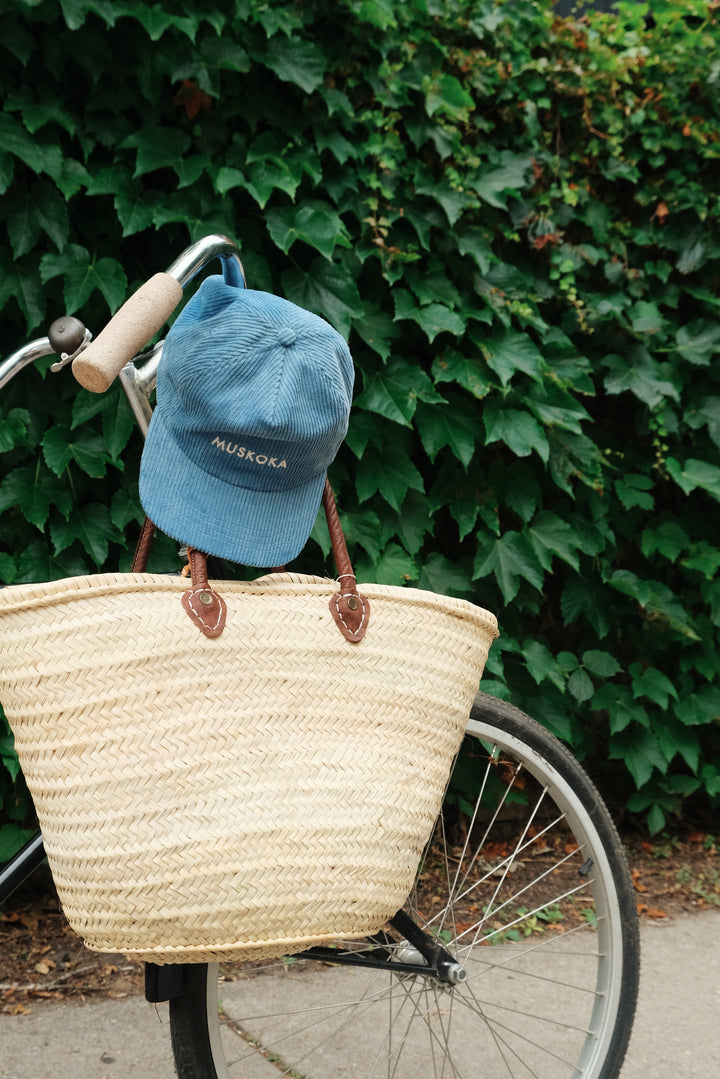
129,329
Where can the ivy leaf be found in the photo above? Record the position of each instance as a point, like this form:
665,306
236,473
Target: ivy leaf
580,685
510,175
646,317
61,446
125,509
698,341
456,425
465,497
695,473
262,180
7,171
362,430
601,664
542,665
439,574
156,22
633,490
19,488
653,684
394,391
452,200
34,491
508,558
668,539
36,114
704,558
520,431
135,211
316,223
226,178
413,524
522,489
157,148
657,600
477,244
282,18
13,428
692,257
16,140
700,708
328,290
341,149
296,61
468,371
362,528
390,475
445,94
118,427
380,13
12,836
38,563
638,373
76,11
622,709
377,329
583,597
436,318
508,351
23,285
574,456
433,318
92,526
640,752
549,535
42,209
394,566
555,407
708,414
81,276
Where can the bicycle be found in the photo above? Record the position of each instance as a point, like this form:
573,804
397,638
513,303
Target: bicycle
517,951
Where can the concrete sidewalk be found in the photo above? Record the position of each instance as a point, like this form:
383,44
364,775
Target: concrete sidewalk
676,1034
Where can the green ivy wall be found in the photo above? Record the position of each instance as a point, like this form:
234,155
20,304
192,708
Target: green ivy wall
514,219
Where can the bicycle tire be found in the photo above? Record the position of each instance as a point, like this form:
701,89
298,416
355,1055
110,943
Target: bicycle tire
550,987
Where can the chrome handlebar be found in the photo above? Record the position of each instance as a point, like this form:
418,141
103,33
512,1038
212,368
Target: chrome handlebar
138,376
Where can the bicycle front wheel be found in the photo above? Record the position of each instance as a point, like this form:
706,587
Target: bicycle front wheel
524,883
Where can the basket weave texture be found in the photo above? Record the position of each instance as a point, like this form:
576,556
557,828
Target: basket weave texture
245,796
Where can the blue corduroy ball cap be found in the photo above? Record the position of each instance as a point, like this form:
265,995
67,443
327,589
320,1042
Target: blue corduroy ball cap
253,401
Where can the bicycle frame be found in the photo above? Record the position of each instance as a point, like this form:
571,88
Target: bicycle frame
138,382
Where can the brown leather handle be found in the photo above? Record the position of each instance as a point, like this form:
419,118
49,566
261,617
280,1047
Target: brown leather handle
349,608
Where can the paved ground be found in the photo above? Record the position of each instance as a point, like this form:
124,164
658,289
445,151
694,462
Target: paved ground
676,1036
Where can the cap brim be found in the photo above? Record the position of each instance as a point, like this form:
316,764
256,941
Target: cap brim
254,528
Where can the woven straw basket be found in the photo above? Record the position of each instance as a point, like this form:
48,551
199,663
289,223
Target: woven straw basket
248,795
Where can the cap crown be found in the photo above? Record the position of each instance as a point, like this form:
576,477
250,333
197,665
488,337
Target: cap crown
253,402
256,390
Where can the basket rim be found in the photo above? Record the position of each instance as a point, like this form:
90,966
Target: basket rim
22,597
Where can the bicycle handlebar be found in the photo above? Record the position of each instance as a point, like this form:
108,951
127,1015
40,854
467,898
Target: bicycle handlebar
141,316
144,313
129,329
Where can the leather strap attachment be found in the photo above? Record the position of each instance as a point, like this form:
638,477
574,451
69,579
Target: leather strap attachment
349,608
144,545
205,606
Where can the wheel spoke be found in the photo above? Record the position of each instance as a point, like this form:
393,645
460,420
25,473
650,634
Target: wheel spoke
546,948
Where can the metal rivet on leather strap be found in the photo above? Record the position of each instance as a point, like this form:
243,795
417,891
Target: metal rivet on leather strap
352,603
205,598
